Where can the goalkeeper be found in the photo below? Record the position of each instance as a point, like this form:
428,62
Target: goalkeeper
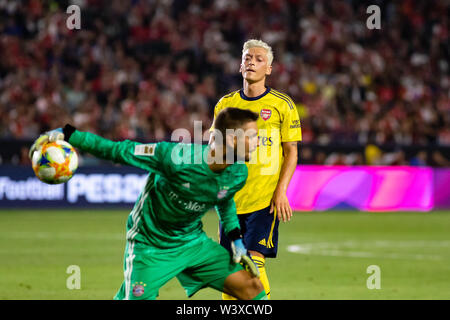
165,238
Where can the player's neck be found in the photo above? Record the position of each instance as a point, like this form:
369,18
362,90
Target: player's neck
217,168
254,89
213,164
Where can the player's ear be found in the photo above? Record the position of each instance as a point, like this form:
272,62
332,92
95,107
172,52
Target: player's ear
268,70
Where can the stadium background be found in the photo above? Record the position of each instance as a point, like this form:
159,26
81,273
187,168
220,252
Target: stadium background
141,69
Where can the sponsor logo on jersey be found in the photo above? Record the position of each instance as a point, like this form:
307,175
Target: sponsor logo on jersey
265,141
295,124
186,205
194,206
265,114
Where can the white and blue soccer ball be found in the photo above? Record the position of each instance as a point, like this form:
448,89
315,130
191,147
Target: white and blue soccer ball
55,162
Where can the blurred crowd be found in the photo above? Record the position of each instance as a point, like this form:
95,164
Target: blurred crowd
139,69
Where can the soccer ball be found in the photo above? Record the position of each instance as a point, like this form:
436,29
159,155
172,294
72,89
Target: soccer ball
55,162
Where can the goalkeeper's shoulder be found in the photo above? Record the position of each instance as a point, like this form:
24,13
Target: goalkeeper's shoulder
240,174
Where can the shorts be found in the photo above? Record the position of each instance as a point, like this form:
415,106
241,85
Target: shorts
147,269
260,232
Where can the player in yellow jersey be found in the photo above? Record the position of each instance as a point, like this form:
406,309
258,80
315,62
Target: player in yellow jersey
262,202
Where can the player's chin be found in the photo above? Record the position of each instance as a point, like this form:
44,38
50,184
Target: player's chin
251,77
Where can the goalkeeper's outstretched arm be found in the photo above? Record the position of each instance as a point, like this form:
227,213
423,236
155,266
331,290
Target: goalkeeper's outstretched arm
150,157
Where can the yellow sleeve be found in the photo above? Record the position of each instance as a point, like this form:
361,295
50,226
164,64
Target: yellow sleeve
290,125
219,106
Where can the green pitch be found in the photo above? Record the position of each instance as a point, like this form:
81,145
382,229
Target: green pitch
321,255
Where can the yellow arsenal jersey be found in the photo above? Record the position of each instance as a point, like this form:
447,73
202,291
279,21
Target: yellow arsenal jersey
278,122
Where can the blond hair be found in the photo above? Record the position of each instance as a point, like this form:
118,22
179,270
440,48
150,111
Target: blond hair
252,43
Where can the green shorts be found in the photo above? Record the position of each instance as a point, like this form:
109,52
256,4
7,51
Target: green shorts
146,269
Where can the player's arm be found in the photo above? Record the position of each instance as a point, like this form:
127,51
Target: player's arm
228,217
280,201
226,210
150,157
217,109
290,135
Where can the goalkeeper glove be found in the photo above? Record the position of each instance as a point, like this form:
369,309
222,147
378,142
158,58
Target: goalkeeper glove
240,256
49,136
52,136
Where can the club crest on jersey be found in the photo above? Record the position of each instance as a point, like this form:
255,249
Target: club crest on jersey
138,289
265,114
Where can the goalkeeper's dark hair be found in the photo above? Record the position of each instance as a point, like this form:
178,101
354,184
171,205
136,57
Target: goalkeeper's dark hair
233,118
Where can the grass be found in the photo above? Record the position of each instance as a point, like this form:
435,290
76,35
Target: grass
322,255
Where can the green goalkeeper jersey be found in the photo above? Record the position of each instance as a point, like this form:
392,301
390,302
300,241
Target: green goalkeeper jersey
179,190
